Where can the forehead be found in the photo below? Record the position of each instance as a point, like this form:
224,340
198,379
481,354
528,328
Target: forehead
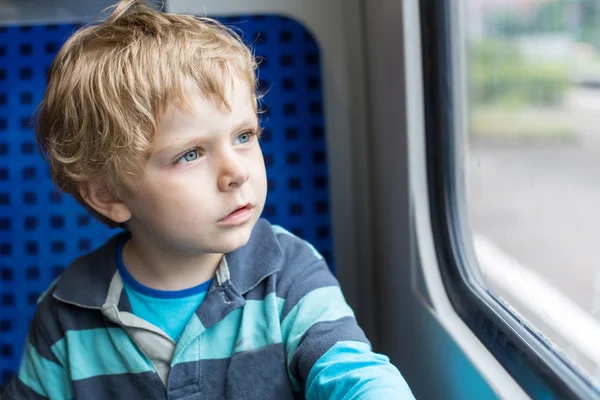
206,113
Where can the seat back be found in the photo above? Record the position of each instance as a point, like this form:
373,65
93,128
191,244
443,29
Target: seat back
42,230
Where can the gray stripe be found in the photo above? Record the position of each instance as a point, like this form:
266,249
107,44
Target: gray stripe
37,339
295,250
259,258
53,318
17,390
44,330
258,374
294,284
218,303
185,380
301,274
260,291
293,287
318,339
141,386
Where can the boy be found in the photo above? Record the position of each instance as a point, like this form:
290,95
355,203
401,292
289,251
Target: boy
150,121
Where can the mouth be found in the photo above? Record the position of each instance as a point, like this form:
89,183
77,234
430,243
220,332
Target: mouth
238,216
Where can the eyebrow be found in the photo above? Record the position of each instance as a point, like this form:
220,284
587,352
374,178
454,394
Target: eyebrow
182,146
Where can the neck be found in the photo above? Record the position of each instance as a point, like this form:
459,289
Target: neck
163,268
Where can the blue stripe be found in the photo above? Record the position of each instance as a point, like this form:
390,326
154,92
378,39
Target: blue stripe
43,376
278,230
111,350
260,326
323,304
190,334
351,370
252,327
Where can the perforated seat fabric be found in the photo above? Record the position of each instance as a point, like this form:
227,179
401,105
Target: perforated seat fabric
43,230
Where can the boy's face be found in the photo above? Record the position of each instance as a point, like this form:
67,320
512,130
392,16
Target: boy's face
204,166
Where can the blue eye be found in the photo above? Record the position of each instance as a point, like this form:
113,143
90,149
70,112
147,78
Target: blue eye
244,138
190,156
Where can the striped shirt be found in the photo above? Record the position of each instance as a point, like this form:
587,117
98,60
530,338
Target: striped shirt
273,325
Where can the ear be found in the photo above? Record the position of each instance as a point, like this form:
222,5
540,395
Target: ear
96,196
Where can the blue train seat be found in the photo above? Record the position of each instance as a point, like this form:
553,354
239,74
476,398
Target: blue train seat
43,230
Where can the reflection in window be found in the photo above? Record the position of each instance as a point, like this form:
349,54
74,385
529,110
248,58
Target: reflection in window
533,167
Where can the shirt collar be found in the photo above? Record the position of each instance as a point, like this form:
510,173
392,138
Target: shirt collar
87,280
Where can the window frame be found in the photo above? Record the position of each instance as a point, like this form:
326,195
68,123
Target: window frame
522,351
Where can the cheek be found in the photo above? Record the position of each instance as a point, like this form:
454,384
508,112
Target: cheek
258,163
258,172
173,199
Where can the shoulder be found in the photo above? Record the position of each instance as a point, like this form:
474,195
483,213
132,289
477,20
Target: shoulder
58,325
276,257
302,267
275,260
45,329
294,248
282,248
73,301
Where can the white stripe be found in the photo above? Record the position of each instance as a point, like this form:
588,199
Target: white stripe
544,300
223,272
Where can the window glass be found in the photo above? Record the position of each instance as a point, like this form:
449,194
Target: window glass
533,164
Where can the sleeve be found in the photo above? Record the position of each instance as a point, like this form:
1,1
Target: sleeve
40,375
328,355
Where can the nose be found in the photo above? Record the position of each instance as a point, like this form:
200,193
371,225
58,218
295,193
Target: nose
233,172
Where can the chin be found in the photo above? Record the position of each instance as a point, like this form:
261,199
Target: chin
232,240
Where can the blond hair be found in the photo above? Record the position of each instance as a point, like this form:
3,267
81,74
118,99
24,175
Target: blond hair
111,82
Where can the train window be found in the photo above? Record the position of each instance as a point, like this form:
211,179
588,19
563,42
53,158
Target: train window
512,92
533,198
